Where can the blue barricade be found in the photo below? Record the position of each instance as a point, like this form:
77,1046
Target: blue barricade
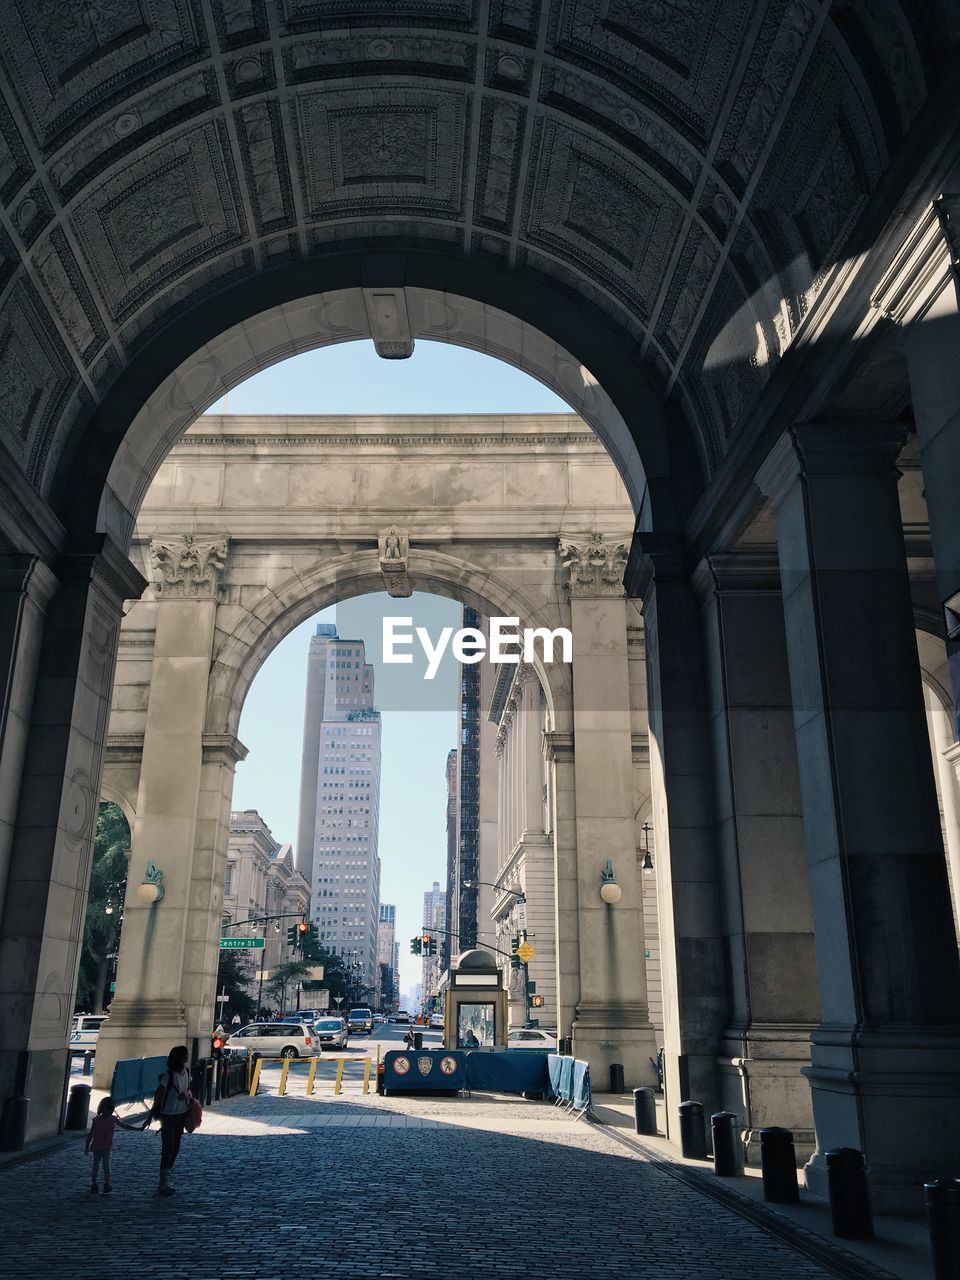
424,1070
135,1079
569,1081
509,1071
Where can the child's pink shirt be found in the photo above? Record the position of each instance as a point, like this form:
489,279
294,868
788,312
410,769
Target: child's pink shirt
101,1133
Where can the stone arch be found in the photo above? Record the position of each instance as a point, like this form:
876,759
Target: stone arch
291,602
540,331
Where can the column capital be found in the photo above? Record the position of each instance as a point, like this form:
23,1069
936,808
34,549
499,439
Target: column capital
189,567
821,449
223,748
106,568
594,565
29,576
653,556
746,572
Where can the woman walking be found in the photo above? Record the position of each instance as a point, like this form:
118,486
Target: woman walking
171,1103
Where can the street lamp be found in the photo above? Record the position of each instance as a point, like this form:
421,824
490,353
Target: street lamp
500,888
646,866
610,891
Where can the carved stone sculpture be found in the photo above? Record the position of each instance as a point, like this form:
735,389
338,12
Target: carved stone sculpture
394,550
594,566
189,567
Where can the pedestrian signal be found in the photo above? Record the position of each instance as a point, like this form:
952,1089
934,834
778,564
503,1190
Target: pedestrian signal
416,946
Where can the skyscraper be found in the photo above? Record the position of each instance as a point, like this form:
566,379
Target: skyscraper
386,947
434,923
337,846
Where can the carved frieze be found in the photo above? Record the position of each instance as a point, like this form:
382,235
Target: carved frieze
594,566
189,567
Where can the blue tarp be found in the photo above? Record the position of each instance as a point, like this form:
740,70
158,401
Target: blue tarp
582,1094
554,1070
510,1071
135,1079
424,1070
570,1081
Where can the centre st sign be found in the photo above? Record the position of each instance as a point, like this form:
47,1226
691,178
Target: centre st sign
241,944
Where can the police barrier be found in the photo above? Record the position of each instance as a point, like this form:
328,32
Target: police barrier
429,1071
311,1064
570,1081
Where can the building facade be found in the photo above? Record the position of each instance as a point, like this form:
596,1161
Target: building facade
447,947
261,880
338,830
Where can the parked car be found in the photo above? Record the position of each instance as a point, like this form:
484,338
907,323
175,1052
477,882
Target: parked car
330,1033
86,1030
400,1016
436,1020
531,1038
360,1019
276,1040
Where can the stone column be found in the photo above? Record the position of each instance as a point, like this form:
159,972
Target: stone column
946,760
885,1062
26,588
693,965
768,922
49,864
612,1021
162,969
558,753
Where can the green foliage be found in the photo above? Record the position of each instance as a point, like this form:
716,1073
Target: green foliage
286,976
101,930
235,978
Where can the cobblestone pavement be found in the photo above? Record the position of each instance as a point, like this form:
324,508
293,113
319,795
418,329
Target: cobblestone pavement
396,1187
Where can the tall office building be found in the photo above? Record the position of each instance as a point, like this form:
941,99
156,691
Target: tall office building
448,942
337,845
386,949
434,922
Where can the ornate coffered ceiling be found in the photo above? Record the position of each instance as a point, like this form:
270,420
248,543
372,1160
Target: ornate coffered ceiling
695,169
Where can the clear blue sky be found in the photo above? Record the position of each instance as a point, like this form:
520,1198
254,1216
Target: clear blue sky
417,731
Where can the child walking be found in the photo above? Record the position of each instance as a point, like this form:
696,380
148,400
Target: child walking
100,1141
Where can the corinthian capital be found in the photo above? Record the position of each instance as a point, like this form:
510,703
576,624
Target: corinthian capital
188,567
594,566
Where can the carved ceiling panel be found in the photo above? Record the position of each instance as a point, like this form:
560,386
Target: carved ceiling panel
695,169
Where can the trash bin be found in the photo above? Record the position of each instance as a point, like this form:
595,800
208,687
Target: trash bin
849,1197
78,1107
418,1040
727,1147
693,1138
943,1215
616,1078
778,1166
645,1112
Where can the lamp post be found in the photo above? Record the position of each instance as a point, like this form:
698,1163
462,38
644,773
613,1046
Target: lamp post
646,866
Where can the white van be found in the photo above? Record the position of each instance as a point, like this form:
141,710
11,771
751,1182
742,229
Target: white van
86,1030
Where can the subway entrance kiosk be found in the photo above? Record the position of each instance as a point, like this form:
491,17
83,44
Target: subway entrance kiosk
475,1013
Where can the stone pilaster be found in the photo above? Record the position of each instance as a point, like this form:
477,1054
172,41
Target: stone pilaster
612,1022
767,919
49,863
693,965
885,1060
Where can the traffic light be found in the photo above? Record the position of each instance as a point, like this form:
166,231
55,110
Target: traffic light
416,946
310,942
428,945
216,1047
292,936
515,961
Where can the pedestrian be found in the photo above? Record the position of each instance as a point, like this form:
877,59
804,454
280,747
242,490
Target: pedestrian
171,1102
100,1141
235,1021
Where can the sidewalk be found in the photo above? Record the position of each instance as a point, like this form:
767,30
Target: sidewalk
900,1248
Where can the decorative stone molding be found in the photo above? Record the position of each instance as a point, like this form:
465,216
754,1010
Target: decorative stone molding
223,748
189,568
926,262
557,748
736,572
389,324
820,449
394,552
594,566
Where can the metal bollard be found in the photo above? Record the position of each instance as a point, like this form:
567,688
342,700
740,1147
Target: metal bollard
565,1047
943,1214
849,1197
87,1063
778,1165
418,1040
727,1147
616,1078
13,1123
78,1107
645,1111
693,1138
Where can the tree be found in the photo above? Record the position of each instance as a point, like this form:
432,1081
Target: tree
104,919
234,979
335,977
292,972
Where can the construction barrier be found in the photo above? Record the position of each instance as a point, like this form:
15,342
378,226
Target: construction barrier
429,1070
569,1082
312,1063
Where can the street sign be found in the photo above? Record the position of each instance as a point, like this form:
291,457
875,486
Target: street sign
525,952
521,915
241,944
